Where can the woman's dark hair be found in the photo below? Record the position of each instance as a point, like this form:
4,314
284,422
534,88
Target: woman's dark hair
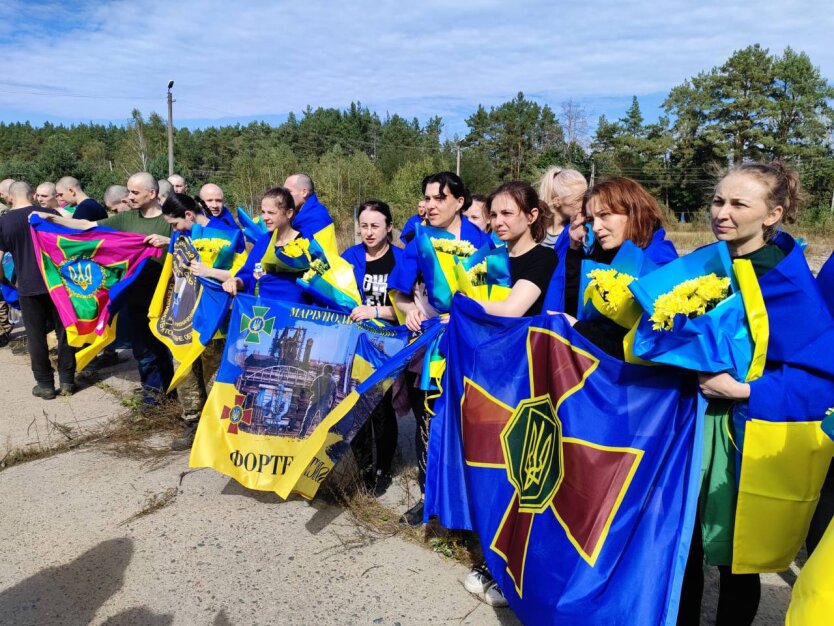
281,196
380,207
202,204
526,199
624,196
176,204
455,185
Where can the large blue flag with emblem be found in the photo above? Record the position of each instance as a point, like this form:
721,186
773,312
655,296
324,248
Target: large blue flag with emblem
578,471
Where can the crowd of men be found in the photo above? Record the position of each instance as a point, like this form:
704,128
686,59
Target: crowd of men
135,207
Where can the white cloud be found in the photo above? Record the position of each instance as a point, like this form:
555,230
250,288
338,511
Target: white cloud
91,60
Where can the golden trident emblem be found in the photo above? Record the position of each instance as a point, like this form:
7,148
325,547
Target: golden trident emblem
81,276
538,455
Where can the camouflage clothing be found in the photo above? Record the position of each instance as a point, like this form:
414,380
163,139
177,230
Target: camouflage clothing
5,324
194,390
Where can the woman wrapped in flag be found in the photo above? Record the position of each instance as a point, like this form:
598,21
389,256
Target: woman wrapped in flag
776,417
278,258
373,262
217,245
618,210
445,196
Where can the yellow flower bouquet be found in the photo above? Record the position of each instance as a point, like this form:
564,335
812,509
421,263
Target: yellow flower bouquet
294,257
438,254
695,316
691,298
605,290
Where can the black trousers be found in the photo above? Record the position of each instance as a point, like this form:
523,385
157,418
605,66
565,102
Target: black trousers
824,512
738,595
421,408
385,432
376,442
39,317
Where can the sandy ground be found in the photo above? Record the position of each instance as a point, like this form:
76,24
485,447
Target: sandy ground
217,553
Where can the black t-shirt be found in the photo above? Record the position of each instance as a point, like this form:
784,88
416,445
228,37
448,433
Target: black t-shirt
91,210
536,265
16,238
375,283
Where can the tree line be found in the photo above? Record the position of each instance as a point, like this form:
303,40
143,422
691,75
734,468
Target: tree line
756,105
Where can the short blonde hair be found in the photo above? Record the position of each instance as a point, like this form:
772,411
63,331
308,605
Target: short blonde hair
558,182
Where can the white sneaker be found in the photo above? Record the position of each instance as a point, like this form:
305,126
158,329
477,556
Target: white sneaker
494,597
478,580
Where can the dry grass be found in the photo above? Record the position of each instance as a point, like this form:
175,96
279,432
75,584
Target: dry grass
134,434
345,488
154,503
687,237
16,456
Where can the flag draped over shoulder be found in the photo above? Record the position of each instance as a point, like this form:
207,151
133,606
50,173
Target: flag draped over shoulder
578,471
314,223
294,386
86,272
184,314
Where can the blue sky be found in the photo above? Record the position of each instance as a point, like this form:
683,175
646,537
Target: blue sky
80,60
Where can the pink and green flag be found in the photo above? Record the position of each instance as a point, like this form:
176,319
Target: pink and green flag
85,272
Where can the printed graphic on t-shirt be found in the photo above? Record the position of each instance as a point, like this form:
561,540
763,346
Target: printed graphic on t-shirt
375,288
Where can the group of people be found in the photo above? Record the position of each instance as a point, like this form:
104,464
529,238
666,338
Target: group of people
548,232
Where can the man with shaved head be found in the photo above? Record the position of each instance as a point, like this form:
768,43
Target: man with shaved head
69,190
165,190
212,196
311,216
45,196
36,307
5,201
154,362
178,183
115,199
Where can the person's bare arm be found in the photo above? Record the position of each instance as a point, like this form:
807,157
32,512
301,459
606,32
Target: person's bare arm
414,317
68,222
201,269
522,296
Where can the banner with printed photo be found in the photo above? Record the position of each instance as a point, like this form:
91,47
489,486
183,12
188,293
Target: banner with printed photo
187,311
294,386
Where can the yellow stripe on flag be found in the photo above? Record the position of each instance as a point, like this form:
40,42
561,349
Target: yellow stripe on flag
754,307
326,238
812,598
782,471
361,369
100,342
